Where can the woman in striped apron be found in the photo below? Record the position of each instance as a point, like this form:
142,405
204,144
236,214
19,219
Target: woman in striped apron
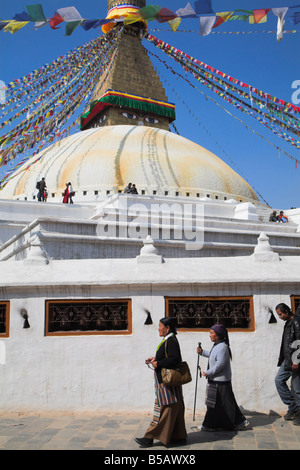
168,425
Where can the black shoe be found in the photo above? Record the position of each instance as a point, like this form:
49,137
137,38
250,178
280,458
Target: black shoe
290,415
144,441
296,420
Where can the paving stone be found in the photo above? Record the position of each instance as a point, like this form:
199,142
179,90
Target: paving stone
111,424
117,432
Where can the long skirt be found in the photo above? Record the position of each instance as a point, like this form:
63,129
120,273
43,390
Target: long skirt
168,423
224,413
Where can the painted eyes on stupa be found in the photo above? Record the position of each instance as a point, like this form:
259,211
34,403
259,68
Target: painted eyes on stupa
101,120
129,115
150,120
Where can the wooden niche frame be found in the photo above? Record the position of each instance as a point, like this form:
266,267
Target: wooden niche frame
86,317
6,305
295,302
205,321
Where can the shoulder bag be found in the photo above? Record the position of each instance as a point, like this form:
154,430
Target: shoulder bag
174,377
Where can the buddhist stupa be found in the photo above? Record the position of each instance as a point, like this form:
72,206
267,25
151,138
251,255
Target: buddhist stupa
93,279
125,137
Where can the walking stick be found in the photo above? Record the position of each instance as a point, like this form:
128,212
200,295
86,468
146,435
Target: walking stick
198,368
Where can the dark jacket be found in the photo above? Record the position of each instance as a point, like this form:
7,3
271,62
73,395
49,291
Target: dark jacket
168,355
290,334
42,186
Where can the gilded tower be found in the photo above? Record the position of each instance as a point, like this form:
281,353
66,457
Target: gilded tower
131,89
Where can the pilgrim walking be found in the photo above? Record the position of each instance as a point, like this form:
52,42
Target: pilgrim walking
66,194
71,193
222,409
168,423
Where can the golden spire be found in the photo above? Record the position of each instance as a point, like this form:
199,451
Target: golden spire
131,92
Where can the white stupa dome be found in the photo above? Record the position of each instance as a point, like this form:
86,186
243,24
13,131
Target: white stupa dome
102,161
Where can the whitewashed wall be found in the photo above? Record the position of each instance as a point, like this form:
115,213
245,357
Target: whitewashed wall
107,373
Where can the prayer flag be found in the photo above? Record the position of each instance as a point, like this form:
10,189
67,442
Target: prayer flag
186,12
222,17
240,15
206,24
14,26
40,24
22,16
3,24
71,26
203,7
101,22
69,14
57,19
280,13
149,13
88,24
165,15
174,24
260,16
36,12
295,18
252,20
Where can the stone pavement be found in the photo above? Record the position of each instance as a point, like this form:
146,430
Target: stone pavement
116,432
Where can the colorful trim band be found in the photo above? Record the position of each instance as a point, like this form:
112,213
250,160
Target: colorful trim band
126,100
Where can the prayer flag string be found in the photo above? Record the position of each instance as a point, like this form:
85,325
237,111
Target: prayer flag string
228,112
128,14
235,91
47,114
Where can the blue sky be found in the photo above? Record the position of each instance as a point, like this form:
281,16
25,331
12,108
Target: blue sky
255,58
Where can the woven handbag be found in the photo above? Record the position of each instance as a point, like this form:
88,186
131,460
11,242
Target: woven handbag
179,376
